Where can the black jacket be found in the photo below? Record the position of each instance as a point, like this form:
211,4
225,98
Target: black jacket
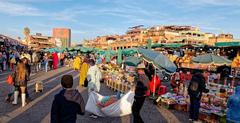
66,105
201,86
141,88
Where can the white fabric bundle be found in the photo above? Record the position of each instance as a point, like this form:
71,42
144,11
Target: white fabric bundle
120,108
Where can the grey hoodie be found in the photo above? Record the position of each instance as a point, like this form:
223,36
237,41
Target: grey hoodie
75,96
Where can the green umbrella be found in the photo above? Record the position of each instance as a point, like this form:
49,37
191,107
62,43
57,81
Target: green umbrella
86,49
149,44
119,58
62,50
132,61
158,59
108,55
129,51
70,49
46,50
211,59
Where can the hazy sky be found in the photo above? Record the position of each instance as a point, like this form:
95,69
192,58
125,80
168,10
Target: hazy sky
90,18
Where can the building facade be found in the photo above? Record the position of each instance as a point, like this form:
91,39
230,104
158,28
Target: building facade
63,35
138,36
38,41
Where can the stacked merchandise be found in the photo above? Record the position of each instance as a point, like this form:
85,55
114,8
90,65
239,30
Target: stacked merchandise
173,101
213,103
116,78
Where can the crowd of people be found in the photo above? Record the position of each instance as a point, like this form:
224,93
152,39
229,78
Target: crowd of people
194,81
23,63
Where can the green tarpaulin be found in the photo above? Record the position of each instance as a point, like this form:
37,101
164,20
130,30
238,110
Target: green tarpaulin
172,45
227,44
51,50
157,45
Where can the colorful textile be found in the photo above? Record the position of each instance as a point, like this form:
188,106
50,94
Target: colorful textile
106,101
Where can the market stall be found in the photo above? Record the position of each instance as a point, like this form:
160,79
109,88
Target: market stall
213,104
236,66
116,78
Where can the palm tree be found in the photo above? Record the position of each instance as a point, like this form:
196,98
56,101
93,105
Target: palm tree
26,32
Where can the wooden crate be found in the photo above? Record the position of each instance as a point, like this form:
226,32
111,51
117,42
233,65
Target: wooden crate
111,84
166,105
114,86
181,107
127,88
121,87
107,83
118,86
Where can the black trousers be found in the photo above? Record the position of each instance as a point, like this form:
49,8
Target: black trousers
194,108
62,62
136,108
1,66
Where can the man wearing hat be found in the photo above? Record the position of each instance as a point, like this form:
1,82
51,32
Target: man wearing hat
141,81
67,104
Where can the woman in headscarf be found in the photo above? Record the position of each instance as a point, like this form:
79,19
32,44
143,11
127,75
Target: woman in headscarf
83,73
55,60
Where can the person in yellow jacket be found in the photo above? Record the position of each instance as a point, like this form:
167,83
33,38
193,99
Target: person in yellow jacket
83,73
77,63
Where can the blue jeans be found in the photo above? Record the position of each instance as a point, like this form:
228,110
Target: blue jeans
194,108
46,66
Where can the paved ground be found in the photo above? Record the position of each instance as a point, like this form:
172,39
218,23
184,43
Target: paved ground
37,111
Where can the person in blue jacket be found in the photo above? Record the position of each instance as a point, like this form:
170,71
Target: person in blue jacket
233,105
67,103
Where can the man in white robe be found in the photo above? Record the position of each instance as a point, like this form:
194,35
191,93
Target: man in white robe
94,76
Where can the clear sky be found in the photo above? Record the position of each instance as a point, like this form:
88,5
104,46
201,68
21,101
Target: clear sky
90,18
